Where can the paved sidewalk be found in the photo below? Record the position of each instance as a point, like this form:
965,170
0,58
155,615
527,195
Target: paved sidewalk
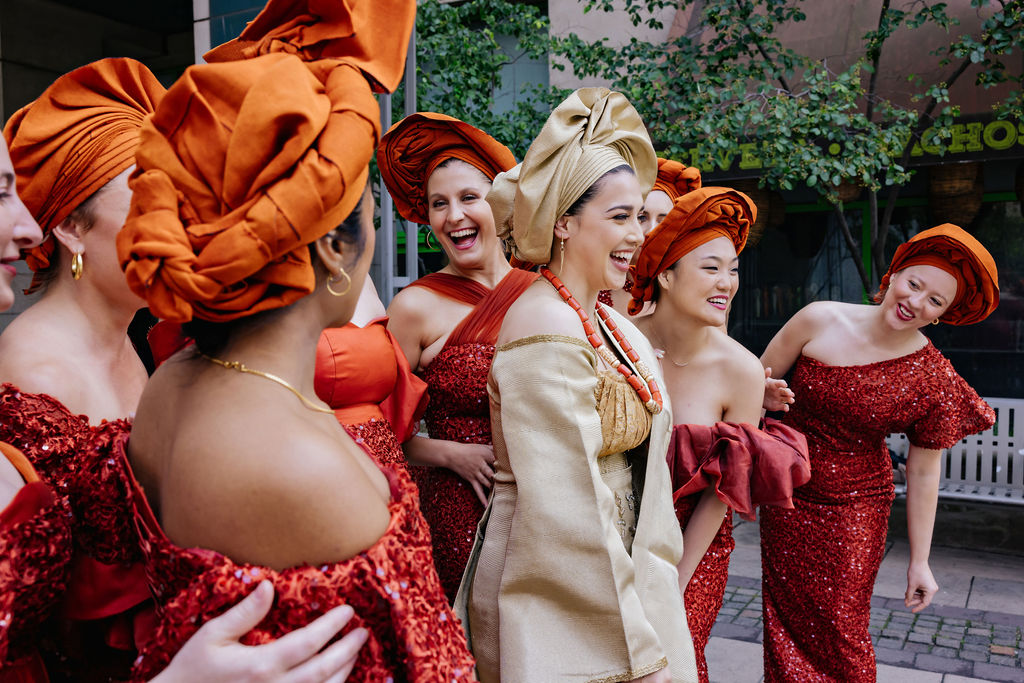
971,632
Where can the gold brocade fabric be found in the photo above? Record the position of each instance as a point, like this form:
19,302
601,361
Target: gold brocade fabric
555,590
625,422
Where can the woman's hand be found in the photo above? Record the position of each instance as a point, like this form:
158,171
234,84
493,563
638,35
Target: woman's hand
921,587
777,394
659,676
474,463
214,654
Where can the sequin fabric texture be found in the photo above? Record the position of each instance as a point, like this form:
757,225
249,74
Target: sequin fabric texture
35,553
705,591
820,560
414,635
459,410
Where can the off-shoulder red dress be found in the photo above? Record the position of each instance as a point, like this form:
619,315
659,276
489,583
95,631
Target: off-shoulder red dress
414,635
101,612
459,410
35,557
363,375
819,561
746,467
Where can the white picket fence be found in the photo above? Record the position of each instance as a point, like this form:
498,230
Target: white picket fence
983,467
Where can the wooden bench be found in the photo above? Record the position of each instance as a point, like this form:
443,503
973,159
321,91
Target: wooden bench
983,467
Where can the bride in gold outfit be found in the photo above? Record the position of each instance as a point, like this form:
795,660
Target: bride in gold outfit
573,575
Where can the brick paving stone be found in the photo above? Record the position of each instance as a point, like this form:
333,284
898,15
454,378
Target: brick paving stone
750,614
894,633
974,655
885,655
930,662
980,640
917,647
743,621
954,622
922,628
993,672
947,652
979,631
1002,660
735,632
728,611
1003,650
890,643
975,647
920,638
947,642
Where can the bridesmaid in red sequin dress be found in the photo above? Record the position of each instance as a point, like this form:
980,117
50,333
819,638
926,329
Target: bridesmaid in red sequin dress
69,353
439,170
718,458
860,373
246,477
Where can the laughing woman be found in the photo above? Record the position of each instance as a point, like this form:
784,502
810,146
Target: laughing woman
439,170
862,372
574,577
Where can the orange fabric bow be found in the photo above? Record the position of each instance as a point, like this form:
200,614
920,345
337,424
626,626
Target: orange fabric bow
675,180
371,35
955,251
696,218
417,144
75,137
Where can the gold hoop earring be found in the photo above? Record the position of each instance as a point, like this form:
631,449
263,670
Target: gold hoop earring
77,265
342,275
935,322
436,246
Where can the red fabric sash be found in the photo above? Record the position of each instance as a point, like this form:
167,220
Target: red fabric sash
482,324
461,289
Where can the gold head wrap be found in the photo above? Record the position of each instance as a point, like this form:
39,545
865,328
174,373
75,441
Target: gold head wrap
593,131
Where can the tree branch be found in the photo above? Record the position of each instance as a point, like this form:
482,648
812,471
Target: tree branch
760,48
851,244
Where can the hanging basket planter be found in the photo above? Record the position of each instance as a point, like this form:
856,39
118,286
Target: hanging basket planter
950,198
848,191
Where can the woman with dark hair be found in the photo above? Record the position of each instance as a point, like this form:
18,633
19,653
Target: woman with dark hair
718,457
36,548
861,372
574,574
439,170
251,224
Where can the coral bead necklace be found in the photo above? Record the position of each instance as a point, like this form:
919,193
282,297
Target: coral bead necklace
650,394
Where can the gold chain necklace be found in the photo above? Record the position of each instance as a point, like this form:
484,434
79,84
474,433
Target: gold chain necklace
665,353
235,365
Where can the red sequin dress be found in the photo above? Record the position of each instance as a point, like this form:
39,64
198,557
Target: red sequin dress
459,410
35,555
746,467
107,585
819,561
363,375
396,595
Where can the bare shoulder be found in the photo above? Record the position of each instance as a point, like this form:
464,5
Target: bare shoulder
539,311
274,492
411,305
741,366
36,364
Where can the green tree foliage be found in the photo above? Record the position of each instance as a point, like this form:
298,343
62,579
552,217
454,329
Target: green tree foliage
736,90
460,61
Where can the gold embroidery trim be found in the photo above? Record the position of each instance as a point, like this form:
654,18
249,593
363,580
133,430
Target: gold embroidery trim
547,338
630,675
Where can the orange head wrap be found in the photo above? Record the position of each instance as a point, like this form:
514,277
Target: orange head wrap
955,251
419,143
356,32
696,218
75,138
242,166
675,180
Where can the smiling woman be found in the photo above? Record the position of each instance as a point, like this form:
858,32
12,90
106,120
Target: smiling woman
439,170
860,373
573,576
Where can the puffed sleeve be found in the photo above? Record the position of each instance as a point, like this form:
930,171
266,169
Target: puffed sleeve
955,410
555,594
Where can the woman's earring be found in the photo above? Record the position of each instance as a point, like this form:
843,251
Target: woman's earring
436,246
935,322
561,253
342,275
77,265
